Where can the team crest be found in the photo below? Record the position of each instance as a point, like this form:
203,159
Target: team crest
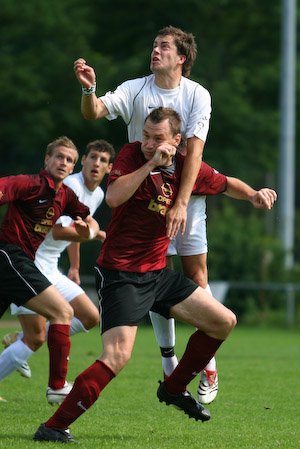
50,213
167,190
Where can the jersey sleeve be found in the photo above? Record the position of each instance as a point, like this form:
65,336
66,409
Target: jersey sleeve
14,188
209,181
120,102
126,161
74,207
198,123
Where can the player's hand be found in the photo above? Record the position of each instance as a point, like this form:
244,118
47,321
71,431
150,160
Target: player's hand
82,228
163,154
264,199
84,73
175,220
73,274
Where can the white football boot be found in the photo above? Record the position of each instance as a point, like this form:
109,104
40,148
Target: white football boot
8,340
208,386
55,397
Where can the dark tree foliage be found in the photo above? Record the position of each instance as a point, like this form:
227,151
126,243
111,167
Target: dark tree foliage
238,62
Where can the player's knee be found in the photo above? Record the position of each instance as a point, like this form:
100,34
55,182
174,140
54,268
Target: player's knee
91,320
35,340
199,276
229,322
63,313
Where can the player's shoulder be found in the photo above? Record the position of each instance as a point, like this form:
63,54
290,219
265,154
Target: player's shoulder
130,150
193,86
74,181
137,84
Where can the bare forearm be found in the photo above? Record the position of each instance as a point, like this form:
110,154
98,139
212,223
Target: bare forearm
125,186
74,255
92,107
260,199
238,189
191,168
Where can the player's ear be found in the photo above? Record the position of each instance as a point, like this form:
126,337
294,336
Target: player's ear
47,157
177,139
83,159
109,167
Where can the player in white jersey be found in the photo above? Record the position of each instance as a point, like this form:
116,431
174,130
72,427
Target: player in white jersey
96,162
172,57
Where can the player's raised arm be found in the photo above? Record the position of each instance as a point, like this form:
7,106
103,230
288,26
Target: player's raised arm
92,107
261,199
176,216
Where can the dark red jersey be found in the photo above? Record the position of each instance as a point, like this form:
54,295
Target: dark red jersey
33,208
136,238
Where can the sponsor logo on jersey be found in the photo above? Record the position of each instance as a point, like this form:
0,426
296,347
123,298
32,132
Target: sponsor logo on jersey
163,202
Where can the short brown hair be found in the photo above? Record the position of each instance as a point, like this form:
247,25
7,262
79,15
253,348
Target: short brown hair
186,45
102,146
161,113
62,141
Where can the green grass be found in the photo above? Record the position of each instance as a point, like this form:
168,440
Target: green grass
257,406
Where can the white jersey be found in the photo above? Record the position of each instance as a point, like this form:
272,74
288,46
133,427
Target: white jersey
135,99
48,253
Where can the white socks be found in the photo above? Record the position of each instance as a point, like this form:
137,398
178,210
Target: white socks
13,357
165,336
76,327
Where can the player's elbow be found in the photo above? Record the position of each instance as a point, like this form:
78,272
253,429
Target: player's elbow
89,116
111,201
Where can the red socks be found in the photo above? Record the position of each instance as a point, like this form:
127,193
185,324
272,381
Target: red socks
86,390
59,349
199,351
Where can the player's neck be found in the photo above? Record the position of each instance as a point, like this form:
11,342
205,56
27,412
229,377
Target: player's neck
167,81
91,185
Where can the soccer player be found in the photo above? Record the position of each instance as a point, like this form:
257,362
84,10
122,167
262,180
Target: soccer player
173,55
34,204
133,278
96,163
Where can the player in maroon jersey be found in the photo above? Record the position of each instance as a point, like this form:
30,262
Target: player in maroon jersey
34,204
132,276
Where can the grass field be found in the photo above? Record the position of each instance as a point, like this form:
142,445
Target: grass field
257,406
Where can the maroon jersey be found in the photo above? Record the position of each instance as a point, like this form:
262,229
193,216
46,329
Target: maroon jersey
136,238
33,208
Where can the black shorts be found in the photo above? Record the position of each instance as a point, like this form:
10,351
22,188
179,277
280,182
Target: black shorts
20,279
125,298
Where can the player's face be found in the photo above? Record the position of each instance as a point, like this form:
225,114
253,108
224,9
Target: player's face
156,134
164,56
61,163
95,165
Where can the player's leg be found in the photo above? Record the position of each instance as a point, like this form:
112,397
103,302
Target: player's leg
17,355
181,298
86,314
119,293
213,321
52,305
164,329
195,267
117,348
165,336
31,339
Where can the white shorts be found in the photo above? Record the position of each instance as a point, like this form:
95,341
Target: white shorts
193,241
69,290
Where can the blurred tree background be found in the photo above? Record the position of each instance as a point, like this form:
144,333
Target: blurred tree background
238,62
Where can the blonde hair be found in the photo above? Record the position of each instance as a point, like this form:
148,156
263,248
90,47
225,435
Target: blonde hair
62,141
